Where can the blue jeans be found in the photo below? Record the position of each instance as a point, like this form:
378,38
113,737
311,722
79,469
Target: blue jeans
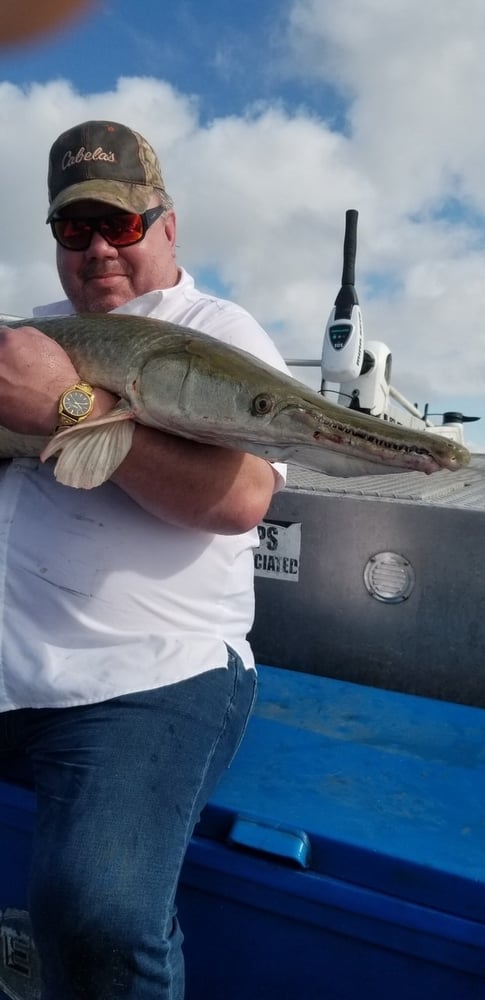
120,786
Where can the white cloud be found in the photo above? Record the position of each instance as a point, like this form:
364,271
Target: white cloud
261,198
414,75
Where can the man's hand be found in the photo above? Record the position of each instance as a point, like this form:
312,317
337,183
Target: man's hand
34,371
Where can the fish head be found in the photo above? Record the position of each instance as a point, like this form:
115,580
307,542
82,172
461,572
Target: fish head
207,390
216,394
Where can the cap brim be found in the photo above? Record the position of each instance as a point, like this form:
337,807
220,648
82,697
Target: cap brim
127,197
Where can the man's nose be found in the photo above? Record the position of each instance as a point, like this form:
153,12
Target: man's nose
99,247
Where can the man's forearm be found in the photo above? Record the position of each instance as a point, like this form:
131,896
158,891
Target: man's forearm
196,486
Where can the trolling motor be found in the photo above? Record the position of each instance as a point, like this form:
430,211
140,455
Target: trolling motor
363,375
343,344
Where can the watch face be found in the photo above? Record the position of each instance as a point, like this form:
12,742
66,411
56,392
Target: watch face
76,403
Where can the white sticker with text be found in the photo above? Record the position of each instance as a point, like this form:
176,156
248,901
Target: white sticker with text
278,555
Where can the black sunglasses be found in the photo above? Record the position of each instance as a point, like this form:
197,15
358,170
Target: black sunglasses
119,229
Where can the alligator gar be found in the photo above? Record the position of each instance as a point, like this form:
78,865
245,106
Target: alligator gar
189,384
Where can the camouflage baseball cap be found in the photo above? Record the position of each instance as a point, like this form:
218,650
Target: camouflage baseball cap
102,161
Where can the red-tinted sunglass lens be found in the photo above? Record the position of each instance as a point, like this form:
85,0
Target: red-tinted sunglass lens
121,230
74,234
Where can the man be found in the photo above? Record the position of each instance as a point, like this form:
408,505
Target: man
126,678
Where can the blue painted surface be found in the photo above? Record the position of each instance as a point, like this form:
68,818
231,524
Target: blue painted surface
388,787
342,856
387,790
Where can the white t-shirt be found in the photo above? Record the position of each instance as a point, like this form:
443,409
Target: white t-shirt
99,598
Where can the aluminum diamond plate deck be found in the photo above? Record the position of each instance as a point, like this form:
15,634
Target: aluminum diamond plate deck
465,489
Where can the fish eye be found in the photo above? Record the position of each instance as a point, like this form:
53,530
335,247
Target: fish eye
262,404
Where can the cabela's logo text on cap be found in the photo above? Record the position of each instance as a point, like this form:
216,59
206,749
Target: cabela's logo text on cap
84,155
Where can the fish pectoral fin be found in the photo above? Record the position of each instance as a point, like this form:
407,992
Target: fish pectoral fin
90,453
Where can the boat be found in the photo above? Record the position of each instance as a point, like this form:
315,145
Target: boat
343,854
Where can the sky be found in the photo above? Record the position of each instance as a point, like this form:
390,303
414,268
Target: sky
271,119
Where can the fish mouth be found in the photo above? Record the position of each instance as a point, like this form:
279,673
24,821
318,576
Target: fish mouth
381,450
425,453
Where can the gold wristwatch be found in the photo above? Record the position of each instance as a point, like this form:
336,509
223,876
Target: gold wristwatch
75,404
